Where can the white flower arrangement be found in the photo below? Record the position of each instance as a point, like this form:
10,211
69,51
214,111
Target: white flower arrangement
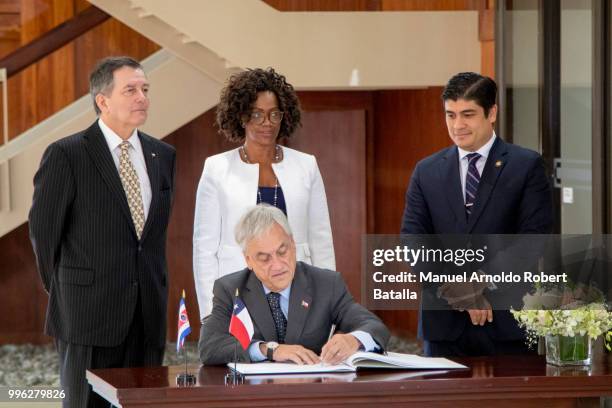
592,320
577,311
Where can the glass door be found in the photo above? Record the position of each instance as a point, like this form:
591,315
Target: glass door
546,61
574,166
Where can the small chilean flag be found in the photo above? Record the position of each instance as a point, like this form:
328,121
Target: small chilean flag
241,325
183,324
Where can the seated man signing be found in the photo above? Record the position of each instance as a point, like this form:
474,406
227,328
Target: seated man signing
292,305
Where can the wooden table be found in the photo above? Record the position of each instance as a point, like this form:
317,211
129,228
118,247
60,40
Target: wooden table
524,381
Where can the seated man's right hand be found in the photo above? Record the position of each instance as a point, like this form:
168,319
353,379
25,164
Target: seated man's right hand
296,353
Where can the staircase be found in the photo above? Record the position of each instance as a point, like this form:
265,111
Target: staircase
314,50
206,40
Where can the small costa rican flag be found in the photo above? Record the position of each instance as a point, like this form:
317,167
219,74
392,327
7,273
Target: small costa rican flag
183,324
241,325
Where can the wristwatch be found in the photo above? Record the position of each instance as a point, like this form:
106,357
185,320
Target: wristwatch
271,346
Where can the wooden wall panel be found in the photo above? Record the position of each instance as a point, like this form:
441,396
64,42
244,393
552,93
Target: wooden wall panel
109,38
409,126
486,35
40,16
9,42
41,90
23,298
10,6
80,5
194,142
51,77
338,141
350,100
10,26
487,58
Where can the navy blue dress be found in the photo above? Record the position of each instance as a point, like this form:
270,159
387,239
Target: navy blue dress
267,196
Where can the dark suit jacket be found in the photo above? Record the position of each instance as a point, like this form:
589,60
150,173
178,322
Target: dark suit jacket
319,298
512,198
89,258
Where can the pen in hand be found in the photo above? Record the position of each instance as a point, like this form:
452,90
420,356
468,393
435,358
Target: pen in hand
331,332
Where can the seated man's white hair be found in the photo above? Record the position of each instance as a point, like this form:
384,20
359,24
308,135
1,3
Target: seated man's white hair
257,221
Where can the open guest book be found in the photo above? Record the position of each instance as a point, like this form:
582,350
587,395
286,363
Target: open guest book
354,362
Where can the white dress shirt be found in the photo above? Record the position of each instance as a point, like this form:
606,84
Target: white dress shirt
463,161
255,353
136,156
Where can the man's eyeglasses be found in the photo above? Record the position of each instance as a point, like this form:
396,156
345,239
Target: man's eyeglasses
259,117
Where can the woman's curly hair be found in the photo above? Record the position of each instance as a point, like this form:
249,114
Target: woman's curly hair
240,94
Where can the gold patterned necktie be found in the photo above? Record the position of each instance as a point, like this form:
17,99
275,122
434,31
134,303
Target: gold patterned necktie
131,185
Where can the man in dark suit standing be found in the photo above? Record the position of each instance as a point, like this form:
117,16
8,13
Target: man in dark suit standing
481,185
292,305
98,224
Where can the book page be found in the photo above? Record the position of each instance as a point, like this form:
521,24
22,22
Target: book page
399,360
288,368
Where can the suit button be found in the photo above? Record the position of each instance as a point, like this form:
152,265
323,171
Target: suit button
139,248
134,283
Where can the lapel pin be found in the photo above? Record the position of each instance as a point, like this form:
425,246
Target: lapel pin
304,304
153,154
498,163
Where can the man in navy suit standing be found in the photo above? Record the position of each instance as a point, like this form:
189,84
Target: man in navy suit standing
481,185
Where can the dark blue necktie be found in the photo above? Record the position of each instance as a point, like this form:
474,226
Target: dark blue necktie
472,179
277,314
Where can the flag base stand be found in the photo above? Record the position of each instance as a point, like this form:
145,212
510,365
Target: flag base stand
234,378
185,380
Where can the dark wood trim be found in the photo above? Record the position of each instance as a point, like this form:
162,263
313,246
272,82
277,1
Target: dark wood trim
325,5
53,40
486,25
502,26
370,168
600,105
550,94
608,115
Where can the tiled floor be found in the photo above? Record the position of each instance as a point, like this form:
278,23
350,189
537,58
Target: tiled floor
28,365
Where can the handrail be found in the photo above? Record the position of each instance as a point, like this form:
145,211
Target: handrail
3,79
53,40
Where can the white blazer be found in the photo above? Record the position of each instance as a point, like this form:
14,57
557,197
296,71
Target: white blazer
228,188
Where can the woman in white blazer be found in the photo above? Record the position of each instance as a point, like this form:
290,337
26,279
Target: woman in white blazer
257,107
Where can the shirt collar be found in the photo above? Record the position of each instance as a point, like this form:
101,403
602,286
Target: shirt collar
284,293
483,151
113,138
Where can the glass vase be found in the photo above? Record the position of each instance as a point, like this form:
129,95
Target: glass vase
564,350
